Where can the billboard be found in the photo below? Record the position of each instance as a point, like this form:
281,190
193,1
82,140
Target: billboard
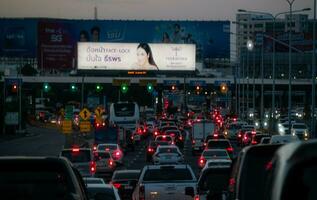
135,56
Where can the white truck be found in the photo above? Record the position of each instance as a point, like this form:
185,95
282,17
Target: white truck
199,133
166,182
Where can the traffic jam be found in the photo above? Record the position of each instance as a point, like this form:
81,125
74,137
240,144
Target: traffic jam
205,155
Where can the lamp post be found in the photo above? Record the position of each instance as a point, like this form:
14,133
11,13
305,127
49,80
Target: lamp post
250,46
313,75
290,2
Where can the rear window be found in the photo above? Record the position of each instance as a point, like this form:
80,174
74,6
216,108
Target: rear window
168,150
102,155
103,193
299,126
128,175
215,179
164,139
124,109
218,144
105,147
34,184
77,156
215,153
167,175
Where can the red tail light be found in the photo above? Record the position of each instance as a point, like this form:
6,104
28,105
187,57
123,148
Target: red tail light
164,136
269,165
245,137
232,183
205,144
92,167
193,141
141,192
202,161
155,133
173,135
116,185
253,132
94,148
111,163
150,150
75,149
215,135
97,125
180,138
230,149
254,142
144,130
132,137
196,197
239,135
234,119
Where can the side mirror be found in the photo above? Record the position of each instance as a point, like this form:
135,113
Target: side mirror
190,191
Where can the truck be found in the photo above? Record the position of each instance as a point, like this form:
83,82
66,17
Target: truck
166,182
201,129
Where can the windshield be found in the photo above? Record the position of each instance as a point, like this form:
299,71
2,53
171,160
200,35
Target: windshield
167,150
124,109
167,175
299,126
218,144
126,176
77,156
107,147
215,154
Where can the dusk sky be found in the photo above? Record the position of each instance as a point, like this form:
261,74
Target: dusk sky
143,9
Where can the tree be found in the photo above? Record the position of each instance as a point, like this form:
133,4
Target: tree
28,70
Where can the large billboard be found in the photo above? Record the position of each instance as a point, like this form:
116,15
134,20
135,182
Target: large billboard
53,41
136,56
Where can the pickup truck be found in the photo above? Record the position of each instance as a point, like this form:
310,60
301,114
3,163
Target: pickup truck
166,182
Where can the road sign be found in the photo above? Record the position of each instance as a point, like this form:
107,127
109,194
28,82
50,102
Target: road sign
119,82
98,111
145,82
219,82
85,114
171,82
84,126
197,83
67,126
69,112
12,118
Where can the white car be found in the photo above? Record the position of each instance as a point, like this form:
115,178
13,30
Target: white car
218,163
212,154
167,155
300,130
115,151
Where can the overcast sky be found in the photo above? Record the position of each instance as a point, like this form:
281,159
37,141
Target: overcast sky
143,9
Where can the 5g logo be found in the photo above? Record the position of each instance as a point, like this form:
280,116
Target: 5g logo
56,38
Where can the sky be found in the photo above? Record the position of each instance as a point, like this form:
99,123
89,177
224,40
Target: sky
144,9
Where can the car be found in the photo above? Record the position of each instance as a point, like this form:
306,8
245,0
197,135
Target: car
177,136
247,138
105,164
212,154
292,172
115,151
165,138
244,129
93,180
221,144
250,172
125,181
166,182
82,159
213,182
102,191
167,155
256,139
40,178
283,139
232,129
151,149
300,130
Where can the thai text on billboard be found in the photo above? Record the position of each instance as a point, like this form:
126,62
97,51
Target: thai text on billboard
136,56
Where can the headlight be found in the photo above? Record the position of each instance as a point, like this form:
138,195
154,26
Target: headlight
226,132
266,116
296,114
257,124
293,134
265,124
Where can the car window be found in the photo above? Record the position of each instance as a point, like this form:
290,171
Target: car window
104,147
102,193
299,126
218,144
133,176
168,150
214,179
102,155
167,175
215,153
77,156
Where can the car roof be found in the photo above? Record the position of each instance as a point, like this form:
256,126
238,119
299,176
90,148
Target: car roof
215,150
182,166
127,171
100,185
167,146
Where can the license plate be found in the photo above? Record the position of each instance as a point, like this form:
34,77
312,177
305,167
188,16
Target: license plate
128,187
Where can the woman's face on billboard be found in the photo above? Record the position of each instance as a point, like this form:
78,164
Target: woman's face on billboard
142,57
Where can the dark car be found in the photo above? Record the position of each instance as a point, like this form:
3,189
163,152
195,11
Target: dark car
251,173
125,181
256,139
40,178
221,144
293,172
213,182
82,159
151,149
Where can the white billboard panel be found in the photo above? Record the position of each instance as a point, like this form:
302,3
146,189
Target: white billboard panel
134,56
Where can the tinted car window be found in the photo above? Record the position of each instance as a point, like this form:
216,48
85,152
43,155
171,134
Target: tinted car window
77,156
134,176
215,153
214,179
218,144
104,147
168,150
167,175
102,155
103,193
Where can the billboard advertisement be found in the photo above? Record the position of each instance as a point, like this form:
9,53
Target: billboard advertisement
136,56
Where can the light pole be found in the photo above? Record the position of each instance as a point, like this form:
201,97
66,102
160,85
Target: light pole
250,46
313,75
290,2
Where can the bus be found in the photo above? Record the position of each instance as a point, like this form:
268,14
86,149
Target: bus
125,114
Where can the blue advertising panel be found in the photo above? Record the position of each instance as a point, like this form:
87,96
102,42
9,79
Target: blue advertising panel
18,37
57,37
